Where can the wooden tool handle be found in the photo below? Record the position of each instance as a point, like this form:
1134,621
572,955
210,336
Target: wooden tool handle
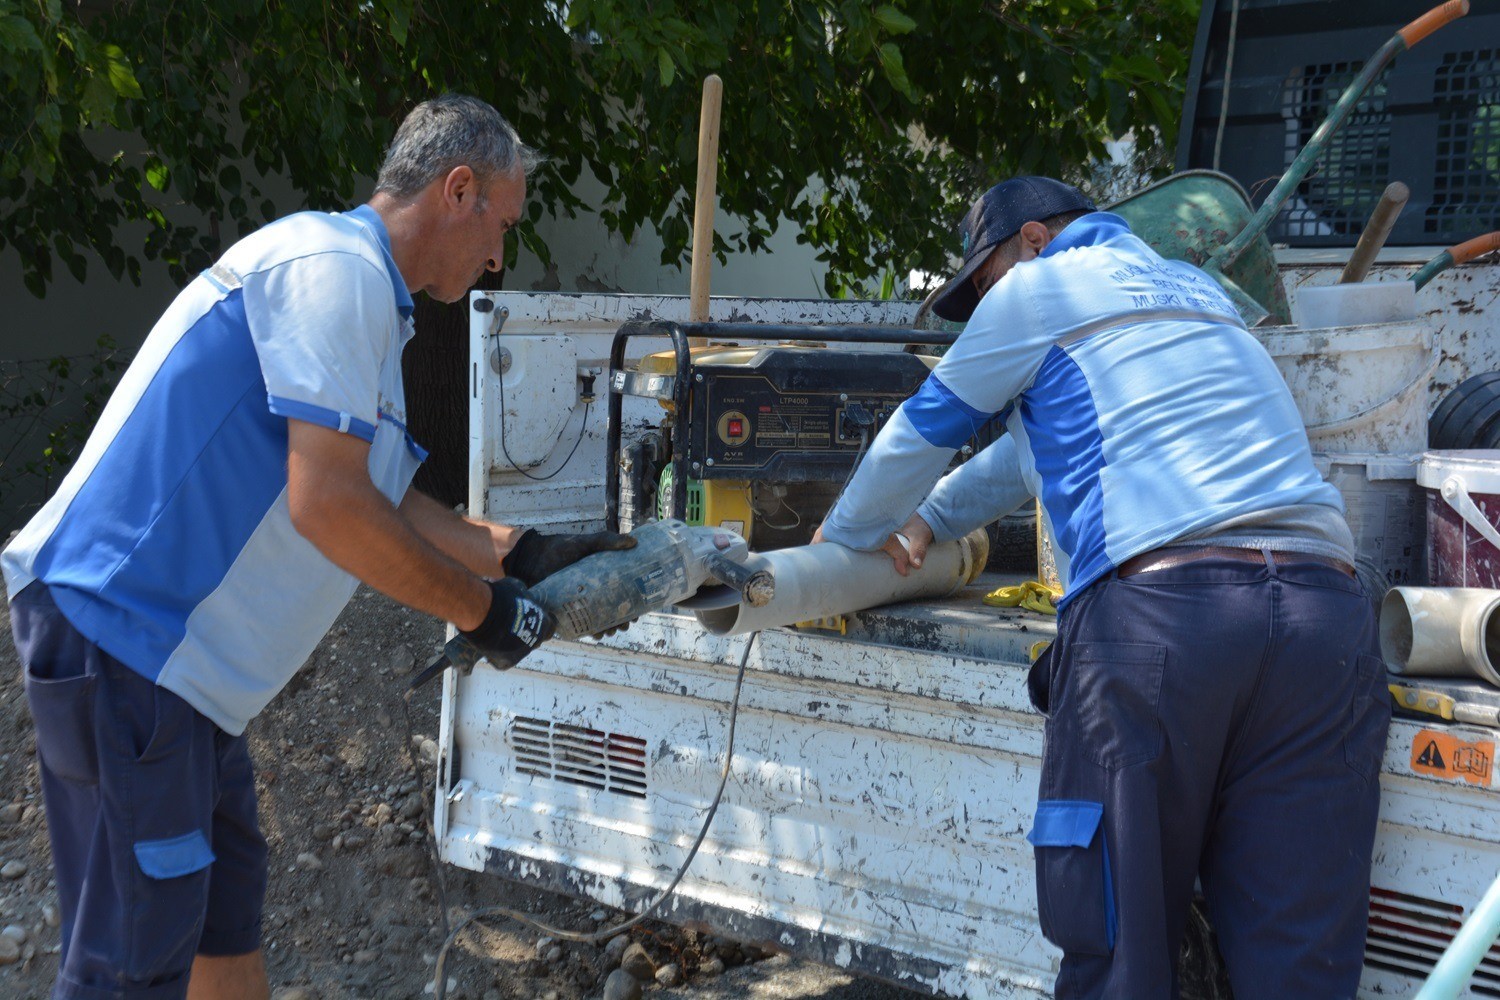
1392,201
1477,247
703,206
1434,19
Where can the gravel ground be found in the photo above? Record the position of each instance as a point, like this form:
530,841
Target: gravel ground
350,913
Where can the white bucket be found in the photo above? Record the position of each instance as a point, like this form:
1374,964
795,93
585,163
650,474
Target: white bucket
1360,389
1387,515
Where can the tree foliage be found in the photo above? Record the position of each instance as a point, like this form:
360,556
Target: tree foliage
867,125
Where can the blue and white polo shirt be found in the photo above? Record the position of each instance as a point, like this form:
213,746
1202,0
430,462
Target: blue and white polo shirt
1138,408
169,543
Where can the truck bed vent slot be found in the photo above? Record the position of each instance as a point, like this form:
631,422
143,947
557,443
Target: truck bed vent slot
1408,934
607,762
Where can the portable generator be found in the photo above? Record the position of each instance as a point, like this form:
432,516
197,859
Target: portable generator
758,438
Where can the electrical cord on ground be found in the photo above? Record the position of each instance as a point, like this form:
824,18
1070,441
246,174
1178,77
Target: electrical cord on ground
428,809
450,935
582,429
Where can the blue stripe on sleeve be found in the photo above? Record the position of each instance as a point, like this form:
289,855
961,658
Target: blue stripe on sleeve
323,417
943,420
417,450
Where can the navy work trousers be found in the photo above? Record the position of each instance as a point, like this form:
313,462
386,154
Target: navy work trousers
1217,721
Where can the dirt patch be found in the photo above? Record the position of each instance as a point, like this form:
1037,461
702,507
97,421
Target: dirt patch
350,912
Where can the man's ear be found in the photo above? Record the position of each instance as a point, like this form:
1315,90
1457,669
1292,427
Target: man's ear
1035,236
459,187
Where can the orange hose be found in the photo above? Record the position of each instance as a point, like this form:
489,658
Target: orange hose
1431,21
1477,247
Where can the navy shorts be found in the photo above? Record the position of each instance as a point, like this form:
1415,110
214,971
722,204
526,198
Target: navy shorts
152,816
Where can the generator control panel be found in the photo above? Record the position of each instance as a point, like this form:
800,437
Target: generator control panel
794,414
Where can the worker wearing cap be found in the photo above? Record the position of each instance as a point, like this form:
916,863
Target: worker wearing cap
249,471
1216,703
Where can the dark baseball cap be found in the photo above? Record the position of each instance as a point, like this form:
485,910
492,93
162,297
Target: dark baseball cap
997,216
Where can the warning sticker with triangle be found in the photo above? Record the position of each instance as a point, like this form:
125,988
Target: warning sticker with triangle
1437,754
1432,756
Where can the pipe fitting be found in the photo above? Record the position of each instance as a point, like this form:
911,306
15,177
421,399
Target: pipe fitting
1442,632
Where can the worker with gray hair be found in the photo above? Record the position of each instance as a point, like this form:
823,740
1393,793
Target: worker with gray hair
1216,701
251,469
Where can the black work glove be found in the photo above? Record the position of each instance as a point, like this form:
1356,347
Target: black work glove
515,625
537,556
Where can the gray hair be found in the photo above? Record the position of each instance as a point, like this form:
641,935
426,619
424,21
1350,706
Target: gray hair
450,131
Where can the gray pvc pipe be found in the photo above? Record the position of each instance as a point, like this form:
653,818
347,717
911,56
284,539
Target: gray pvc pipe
1442,632
819,581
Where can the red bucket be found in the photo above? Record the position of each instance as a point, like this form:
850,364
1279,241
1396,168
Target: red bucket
1463,517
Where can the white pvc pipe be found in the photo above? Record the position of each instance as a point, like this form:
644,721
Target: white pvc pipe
1442,631
819,581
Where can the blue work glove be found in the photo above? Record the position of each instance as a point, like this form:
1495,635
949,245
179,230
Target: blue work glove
514,626
536,556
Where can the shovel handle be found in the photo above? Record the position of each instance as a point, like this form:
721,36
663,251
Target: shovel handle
1434,19
703,198
1392,201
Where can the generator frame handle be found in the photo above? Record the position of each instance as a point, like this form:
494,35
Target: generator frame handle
679,334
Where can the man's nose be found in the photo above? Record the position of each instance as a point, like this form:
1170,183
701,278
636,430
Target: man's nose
498,260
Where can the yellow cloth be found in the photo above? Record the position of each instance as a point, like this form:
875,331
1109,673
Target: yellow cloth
1032,595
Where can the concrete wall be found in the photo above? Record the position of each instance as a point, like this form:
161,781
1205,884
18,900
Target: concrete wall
71,317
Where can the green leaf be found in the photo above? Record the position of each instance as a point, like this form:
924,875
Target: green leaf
400,23
666,67
97,101
157,174
121,76
893,20
895,69
18,36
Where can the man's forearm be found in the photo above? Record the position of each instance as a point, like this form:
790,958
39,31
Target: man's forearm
359,531
477,545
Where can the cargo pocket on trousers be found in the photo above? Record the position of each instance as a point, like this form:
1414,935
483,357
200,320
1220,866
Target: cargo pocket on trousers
1074,891
1115,689
62,709
1369,717
175,856
166,916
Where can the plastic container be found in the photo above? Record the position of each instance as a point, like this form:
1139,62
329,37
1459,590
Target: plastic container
1357,304
1463,517
1359,389
1387,514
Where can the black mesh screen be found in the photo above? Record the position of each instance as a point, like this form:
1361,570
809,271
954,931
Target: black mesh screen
1466,180
1339,195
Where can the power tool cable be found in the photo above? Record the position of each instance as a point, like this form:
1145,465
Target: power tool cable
588,399
451,933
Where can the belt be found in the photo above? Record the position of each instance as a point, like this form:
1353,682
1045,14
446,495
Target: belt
1148,562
